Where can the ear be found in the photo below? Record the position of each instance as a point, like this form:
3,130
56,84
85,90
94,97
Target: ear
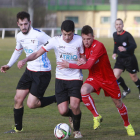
18,24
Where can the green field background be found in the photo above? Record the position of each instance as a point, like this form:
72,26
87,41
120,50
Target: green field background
38,124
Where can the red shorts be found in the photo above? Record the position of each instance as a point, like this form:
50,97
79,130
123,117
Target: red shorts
112,90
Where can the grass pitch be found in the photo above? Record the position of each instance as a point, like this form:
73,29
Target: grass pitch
38,124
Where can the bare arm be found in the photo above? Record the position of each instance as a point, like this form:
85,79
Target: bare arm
31,57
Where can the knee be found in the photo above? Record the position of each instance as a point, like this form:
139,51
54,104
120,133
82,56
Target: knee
118,104
31,105
18,100
62,112
117,76
84,90
75,105
134,78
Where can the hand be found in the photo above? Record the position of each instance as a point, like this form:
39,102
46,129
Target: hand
21,64
63,64
4,68
114,56
121,48
81,61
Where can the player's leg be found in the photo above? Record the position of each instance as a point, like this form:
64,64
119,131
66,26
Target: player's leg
62,98
118,69
40,82
75,99
63,108
121,82
87,98
89,102
18,110
132,68
136,80
123,112
21,93
34,102
75,107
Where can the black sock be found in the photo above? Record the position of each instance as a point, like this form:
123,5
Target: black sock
76,122
18,114
122,83
47,100
138,84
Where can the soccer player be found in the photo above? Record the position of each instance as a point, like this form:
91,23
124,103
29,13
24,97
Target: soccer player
37,75
68,82
100,76
124,47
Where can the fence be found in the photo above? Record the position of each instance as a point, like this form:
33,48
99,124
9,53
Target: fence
99,32
53,31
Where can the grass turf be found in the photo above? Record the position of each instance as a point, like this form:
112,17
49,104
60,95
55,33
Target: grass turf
38,124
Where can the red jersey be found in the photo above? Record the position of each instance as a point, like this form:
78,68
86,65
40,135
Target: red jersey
97,63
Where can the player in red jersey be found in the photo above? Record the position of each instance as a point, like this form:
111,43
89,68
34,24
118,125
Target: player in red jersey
100,77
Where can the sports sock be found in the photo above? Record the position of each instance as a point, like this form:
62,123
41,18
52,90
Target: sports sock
47,100
138,84
124,115
76,121
122,83
89,102
18,114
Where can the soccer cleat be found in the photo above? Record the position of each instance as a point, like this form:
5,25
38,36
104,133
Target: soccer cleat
14,130
130,130
125,92
97,121
71,122
77,134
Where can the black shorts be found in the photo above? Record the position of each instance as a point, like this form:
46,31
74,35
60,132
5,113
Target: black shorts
65,89
129,63
36,82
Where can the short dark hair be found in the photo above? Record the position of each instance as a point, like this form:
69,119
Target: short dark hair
22,15
87,30
119,19
68,25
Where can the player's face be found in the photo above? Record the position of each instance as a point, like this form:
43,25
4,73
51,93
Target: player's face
67,36
87,39
119,26
24,25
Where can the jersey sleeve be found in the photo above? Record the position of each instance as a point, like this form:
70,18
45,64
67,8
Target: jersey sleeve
131,43
87,65
43,38
16,54
49,45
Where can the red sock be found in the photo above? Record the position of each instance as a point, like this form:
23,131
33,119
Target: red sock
89,102
124,115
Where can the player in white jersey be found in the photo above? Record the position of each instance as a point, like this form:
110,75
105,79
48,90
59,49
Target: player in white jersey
68,81
37,75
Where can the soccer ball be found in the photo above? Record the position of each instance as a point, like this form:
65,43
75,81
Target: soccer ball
62,131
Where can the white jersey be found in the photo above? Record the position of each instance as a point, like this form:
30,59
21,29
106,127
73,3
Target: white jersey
31,43
66,51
